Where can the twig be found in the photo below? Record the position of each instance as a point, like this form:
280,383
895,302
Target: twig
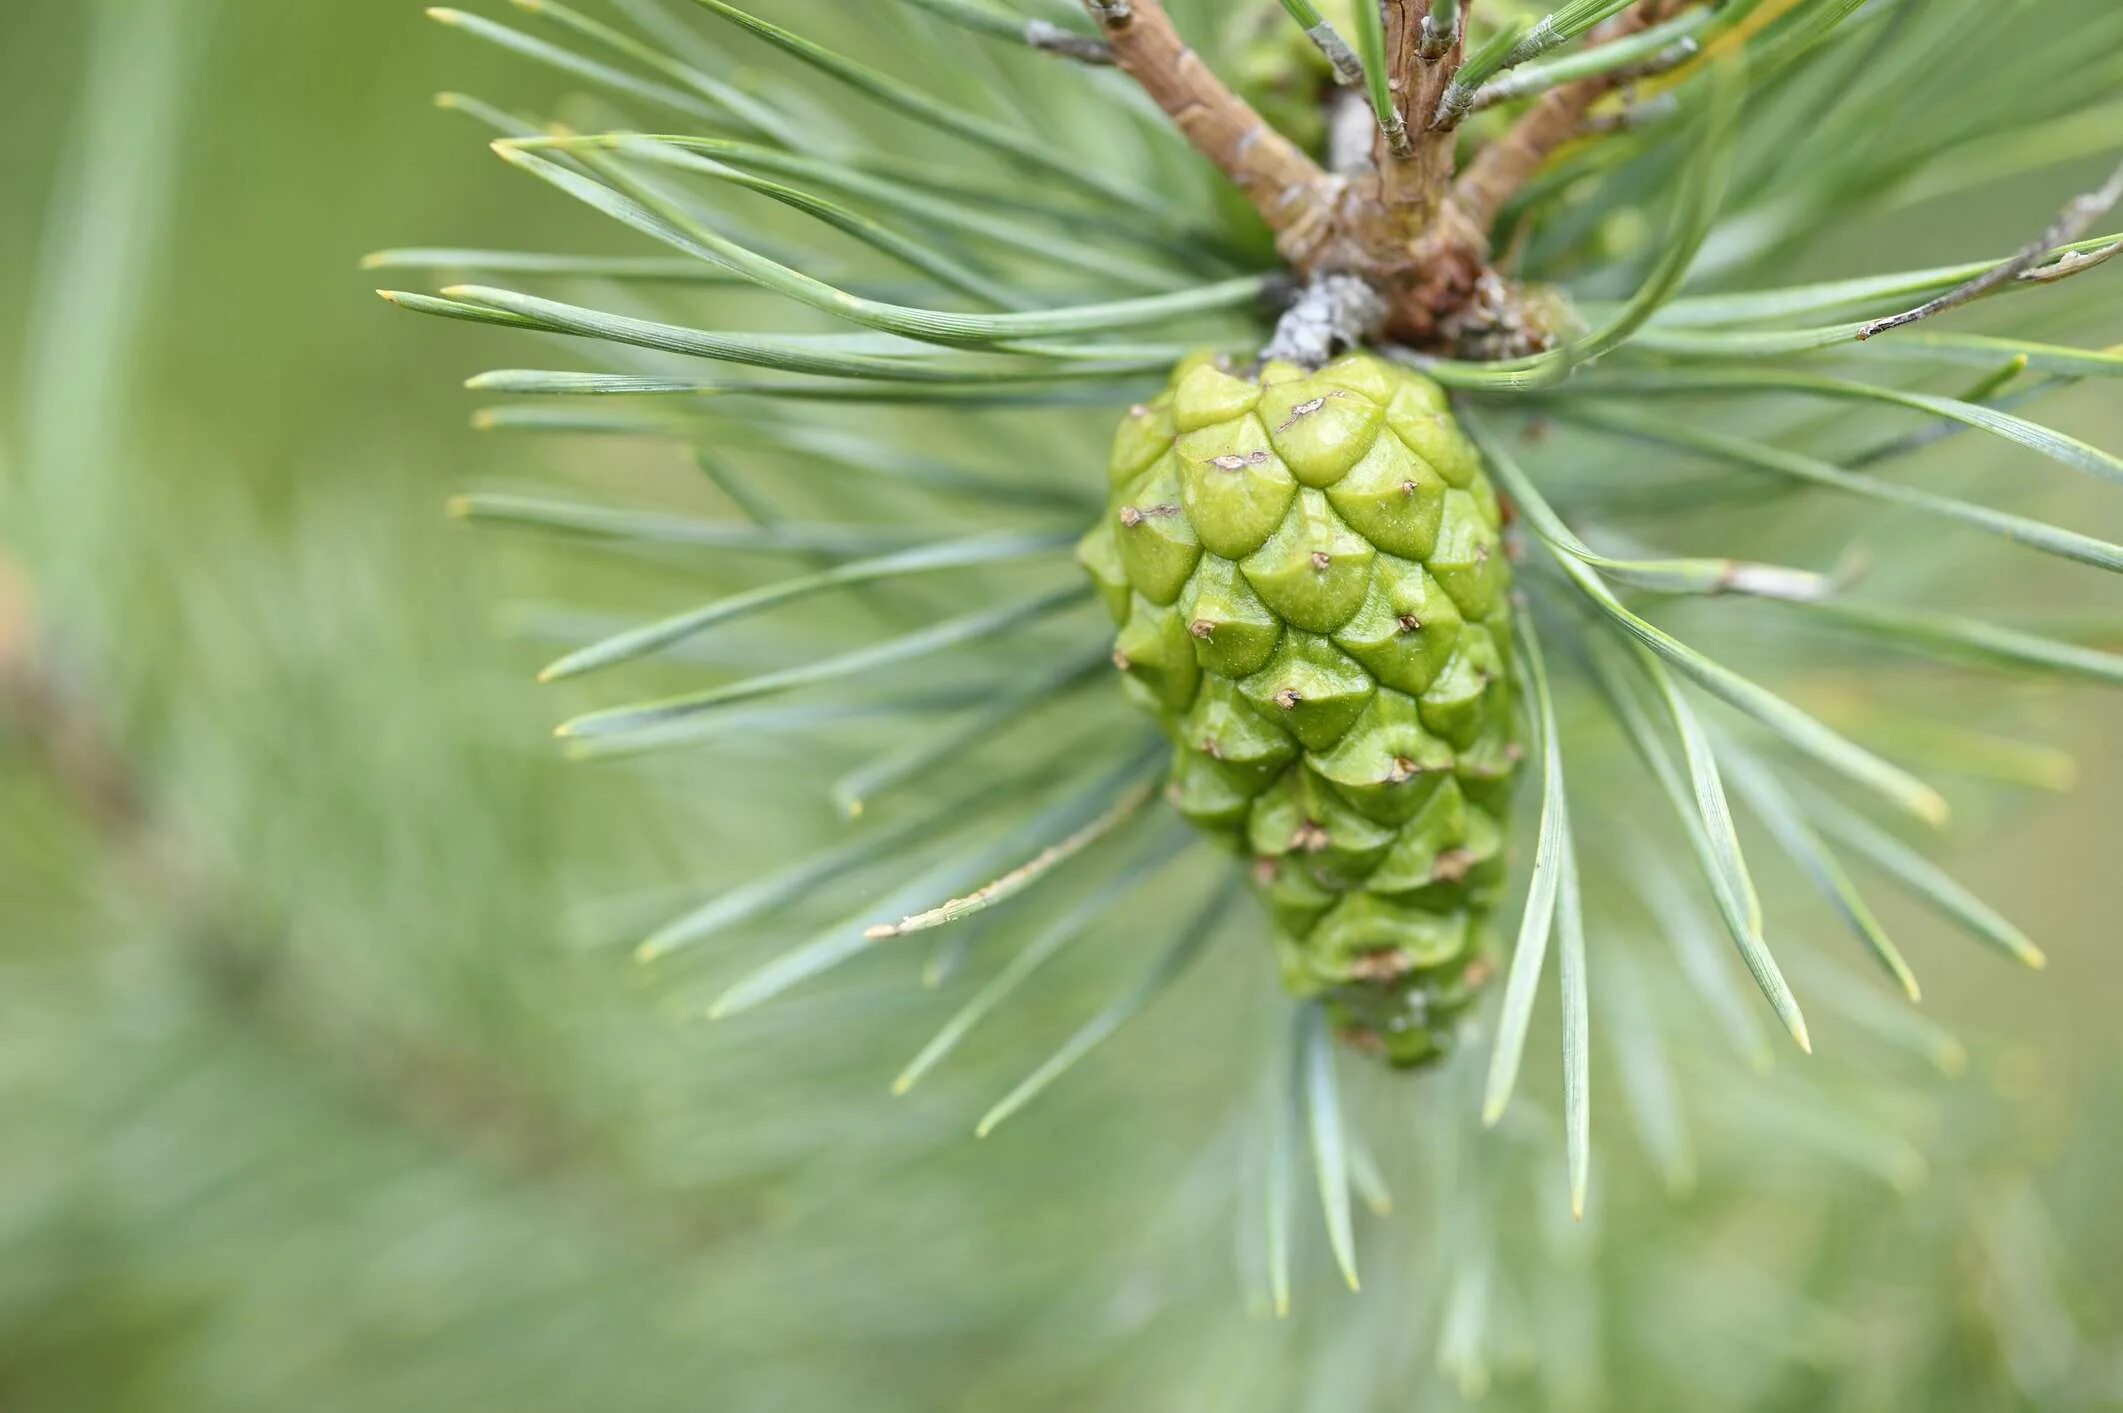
1331,314
2071,223
1291,192
1423,58
1505,165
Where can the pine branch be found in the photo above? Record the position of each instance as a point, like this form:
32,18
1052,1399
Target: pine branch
484,1113
1289,189
43,708
1500,169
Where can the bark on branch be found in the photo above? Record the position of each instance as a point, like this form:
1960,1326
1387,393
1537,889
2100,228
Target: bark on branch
1422,64
1501,168
1291,192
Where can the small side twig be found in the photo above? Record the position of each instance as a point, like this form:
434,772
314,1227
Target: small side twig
1051,38
1504,166
2071,223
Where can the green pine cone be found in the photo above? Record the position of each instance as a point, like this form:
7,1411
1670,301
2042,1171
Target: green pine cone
1313,601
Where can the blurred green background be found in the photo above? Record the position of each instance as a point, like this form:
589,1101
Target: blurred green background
311,1094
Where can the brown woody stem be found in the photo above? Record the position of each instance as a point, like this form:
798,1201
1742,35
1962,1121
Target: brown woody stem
1293,195
1417,184
1502,168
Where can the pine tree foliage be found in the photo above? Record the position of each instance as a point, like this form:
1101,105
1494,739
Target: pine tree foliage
886,276
1741,164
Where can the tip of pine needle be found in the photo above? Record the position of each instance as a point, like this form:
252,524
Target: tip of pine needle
442,14
2034,956
458,507
902,1084
878,932
1282,1307
1798,1033
389,296
1493,1111
1931,807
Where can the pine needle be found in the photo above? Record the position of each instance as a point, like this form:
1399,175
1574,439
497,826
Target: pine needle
1123,1009
1330,1155
1551,845
1024,875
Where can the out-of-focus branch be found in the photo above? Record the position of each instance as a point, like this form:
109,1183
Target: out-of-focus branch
451,1092
35,711
1291,192
1504,166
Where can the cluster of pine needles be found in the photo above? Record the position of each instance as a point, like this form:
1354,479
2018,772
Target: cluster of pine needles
939,246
